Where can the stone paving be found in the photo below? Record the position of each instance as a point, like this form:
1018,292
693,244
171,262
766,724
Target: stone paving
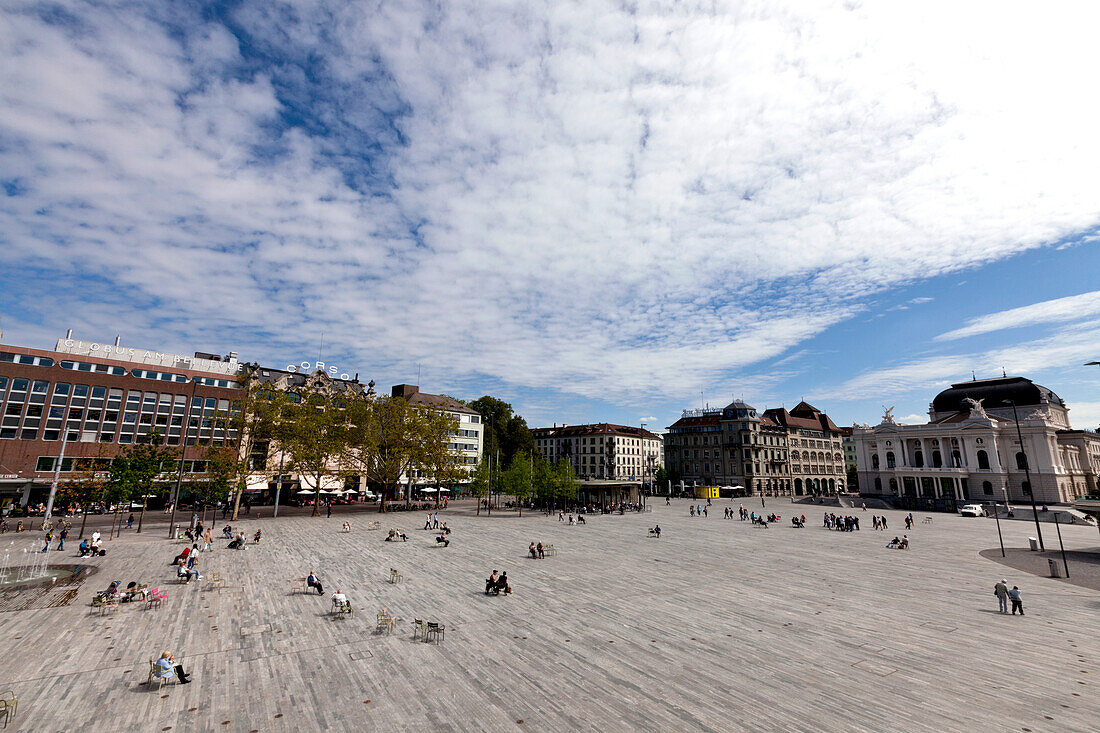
716,626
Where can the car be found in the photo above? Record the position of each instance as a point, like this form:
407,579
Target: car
973,510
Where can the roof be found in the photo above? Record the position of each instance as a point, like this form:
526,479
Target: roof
696,421
603,428
414,396
804,417
298,380
995,393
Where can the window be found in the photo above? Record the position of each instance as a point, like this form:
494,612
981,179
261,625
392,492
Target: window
983,460
1021,461
987,488
19,385
874,465
937,459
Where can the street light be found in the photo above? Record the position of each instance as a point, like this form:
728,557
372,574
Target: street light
1027,475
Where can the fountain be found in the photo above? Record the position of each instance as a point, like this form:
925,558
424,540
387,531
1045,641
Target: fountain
33,570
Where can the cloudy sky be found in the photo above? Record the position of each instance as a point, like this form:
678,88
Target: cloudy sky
596,210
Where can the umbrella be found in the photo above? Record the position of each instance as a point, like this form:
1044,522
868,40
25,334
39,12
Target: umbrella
427,491
447,490
305,491
351,491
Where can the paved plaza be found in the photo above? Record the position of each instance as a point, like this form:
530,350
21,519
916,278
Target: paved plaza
715,626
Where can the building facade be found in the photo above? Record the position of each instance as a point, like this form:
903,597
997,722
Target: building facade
603,450
971,449
776,452
88,401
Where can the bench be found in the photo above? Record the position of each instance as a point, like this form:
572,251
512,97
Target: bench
396,577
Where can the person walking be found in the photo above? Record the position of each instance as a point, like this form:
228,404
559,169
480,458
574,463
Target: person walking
1001,591
49,539
705,512
330,507
62,537
1017,600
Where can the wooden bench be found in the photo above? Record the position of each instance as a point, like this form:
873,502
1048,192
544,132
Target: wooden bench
396,577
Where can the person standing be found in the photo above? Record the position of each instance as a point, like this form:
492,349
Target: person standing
62,537
49,539
1017,600
1001,591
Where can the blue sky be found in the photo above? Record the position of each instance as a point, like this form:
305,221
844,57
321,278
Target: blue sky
597,211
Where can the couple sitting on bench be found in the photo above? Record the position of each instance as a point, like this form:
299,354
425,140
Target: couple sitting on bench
395,535
496,585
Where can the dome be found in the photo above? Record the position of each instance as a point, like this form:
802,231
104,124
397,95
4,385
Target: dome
739,410
994,394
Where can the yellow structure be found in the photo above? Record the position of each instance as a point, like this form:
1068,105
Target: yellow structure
706,492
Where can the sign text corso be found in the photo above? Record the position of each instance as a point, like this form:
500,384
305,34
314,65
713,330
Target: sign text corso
307,367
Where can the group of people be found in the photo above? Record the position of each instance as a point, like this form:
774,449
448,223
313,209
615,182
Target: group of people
187,564
841,524
132,592
537,551
497,585
878,522
62,535
579,519
91,548
1004,595
698,510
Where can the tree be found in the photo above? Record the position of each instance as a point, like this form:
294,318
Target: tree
315,433
660,478
386,441
436,458
504,431
480,482
517,480
134,472
543,481
251,425
564,481
84,487
217,481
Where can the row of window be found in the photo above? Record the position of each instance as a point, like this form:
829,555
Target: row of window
87,366
46,464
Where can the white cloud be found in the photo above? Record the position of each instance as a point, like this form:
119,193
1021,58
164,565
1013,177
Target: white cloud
612,200
1070,308
913,419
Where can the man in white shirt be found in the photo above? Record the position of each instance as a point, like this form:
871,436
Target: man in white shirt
339,600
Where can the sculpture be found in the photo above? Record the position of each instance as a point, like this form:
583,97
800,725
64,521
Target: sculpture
976,409
888,415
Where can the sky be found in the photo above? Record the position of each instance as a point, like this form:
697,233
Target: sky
598,211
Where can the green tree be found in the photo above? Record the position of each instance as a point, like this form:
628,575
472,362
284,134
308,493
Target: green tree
504,431
543,481
134,472
480,482
518,479
436,459
386,442
218,480
251,424
565,482
660,478
84,487
316,435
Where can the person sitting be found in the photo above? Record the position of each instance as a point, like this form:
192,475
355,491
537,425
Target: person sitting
313,582
237,543
580,520
533,551
192,570
166,668
904,544
657,531
85,548
227,532
181,572
502,584
541,551
445,528
339,601
491,583
442,540
183,555
347,526
892,544
259,535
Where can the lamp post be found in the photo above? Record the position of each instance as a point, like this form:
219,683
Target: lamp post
57,468
183,452
1027,474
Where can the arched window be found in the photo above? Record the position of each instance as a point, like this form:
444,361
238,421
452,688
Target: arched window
918,459
832,485
1026,486
983,459
798,487
878,485
1021,461
893,486
890,459
956,459
937,460
874,462
987,488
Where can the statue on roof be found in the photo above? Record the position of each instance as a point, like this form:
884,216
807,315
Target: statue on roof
976,409
370,388
888,415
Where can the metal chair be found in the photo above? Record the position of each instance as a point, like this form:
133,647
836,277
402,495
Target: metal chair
9,703
419,628
437,630
396,577
156,599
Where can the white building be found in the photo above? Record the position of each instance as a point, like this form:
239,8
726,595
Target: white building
603,450
970,449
